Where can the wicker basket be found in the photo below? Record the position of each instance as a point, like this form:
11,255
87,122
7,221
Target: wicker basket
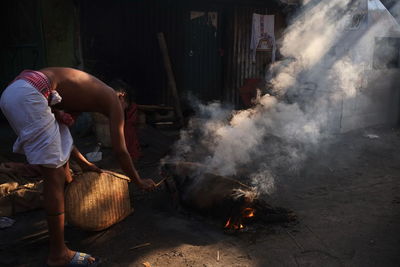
96,201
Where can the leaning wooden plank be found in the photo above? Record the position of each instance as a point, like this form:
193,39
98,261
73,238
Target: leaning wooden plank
170,74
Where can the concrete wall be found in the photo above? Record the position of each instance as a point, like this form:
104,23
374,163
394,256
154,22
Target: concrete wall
377,100
377,104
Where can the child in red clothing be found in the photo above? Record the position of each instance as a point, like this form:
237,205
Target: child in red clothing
125,92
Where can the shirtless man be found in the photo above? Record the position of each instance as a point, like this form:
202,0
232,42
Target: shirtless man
28,103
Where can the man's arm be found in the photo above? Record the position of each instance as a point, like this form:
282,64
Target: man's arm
116,118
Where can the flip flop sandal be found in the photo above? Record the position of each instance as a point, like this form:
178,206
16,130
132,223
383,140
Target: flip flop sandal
82,259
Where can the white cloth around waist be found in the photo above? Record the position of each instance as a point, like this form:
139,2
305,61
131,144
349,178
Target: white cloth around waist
41,138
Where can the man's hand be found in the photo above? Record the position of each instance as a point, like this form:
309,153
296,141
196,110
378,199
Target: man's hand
146,184
85,165
90,167
63,117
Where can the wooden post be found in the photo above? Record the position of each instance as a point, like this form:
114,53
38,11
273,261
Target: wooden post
170,75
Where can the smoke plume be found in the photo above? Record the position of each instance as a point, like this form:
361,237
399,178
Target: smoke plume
324,59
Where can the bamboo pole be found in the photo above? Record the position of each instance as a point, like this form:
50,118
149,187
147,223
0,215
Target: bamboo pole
170,75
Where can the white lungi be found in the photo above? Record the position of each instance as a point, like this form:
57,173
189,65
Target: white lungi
41,138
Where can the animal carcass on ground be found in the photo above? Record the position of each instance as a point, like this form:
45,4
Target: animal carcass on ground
222,198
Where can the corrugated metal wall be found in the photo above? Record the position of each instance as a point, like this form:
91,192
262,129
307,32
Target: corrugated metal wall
240,65
119,41
142,23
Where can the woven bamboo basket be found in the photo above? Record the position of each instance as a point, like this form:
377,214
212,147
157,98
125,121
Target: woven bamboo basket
96,201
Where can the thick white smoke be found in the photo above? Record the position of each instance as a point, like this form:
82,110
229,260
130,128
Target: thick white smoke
323,64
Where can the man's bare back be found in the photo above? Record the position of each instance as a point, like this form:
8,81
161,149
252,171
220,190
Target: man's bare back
81,91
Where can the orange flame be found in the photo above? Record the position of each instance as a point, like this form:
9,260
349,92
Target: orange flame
227,223
248,212
230,225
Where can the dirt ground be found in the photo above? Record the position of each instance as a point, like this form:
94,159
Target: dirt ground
347,198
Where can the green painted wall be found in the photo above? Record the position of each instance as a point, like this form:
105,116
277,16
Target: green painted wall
58,18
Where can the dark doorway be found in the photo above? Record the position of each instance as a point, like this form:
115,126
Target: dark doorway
203,55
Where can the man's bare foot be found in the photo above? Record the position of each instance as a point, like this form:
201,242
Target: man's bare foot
65,258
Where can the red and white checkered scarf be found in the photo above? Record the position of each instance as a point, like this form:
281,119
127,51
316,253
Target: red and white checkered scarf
42,83
37,80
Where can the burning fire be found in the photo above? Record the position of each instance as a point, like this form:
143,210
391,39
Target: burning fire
234,226
246,213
